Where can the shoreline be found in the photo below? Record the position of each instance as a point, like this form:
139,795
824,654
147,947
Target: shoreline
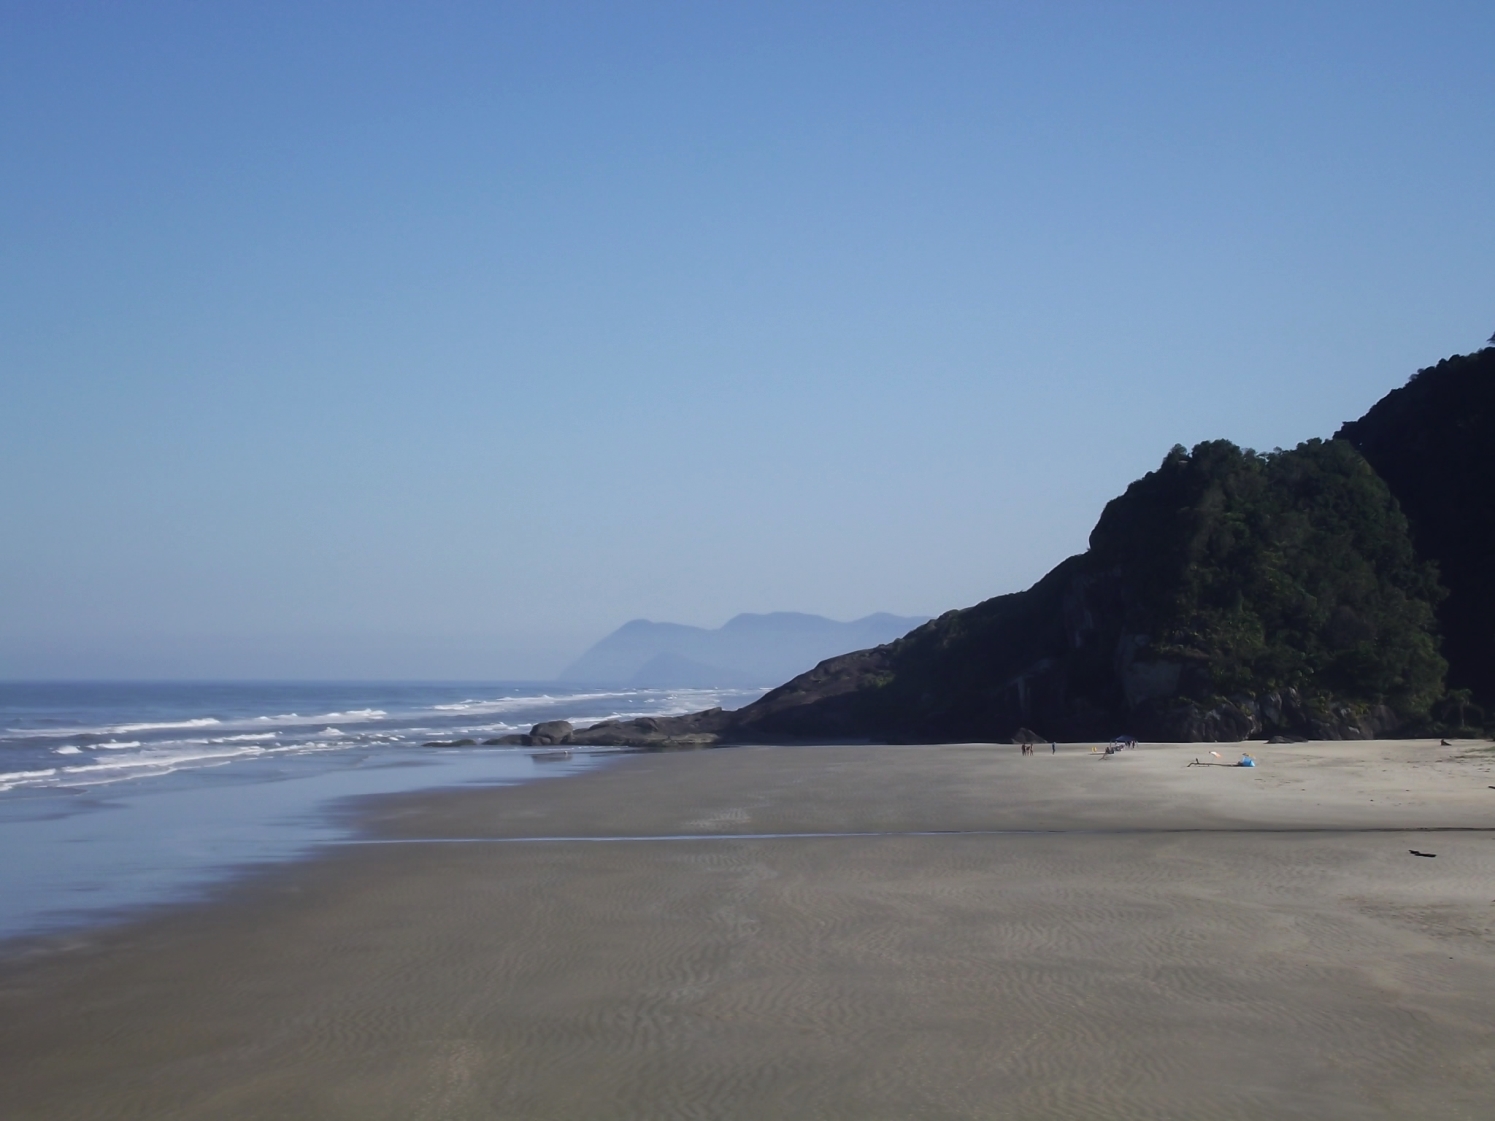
105,858
989,934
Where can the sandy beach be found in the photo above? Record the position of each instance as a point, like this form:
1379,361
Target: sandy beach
821,932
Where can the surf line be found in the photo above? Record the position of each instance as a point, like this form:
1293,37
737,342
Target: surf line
657,837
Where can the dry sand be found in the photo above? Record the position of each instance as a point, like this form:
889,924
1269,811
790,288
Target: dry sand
1179,942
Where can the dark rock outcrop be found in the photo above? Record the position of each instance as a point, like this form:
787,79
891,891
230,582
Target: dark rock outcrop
548,733
658,733
551,732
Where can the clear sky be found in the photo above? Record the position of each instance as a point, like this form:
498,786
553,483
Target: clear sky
437,340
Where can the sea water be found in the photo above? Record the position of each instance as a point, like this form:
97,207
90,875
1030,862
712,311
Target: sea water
116,795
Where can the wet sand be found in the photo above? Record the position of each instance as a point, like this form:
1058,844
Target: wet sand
1097,938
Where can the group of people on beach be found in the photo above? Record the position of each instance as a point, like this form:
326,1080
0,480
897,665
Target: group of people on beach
1120,743
1053,748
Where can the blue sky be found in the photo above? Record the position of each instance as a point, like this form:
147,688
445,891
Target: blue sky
438,340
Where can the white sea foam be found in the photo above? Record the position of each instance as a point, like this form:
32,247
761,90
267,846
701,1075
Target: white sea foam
119,752
160,759
200,722
509,704
108,729
12,779
308,747
353,717
666,702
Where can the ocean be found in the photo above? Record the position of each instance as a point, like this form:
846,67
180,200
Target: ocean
117,796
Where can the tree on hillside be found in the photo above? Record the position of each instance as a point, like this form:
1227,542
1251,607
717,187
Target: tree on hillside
1456,707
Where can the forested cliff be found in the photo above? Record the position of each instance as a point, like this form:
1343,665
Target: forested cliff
1433,441
1224,595
1228,594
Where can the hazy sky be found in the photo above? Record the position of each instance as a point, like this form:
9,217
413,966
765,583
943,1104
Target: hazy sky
437,340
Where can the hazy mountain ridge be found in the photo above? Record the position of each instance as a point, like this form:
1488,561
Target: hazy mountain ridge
749,649
1226,595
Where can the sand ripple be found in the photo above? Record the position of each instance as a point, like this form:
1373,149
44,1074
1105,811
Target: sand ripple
1199,976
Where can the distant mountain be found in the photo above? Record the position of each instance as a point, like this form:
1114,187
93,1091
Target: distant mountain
748,650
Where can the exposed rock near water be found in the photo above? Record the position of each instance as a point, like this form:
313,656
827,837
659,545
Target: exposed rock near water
698,729
551,732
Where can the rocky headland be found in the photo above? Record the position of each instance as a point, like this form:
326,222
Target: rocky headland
1227,595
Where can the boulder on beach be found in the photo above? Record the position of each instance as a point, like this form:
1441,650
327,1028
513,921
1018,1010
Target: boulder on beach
551,732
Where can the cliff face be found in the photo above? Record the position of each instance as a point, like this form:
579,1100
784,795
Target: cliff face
1225,595
1433,441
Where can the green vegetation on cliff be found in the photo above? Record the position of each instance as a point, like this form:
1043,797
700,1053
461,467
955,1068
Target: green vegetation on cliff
1433,441
1226,594
1287,570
